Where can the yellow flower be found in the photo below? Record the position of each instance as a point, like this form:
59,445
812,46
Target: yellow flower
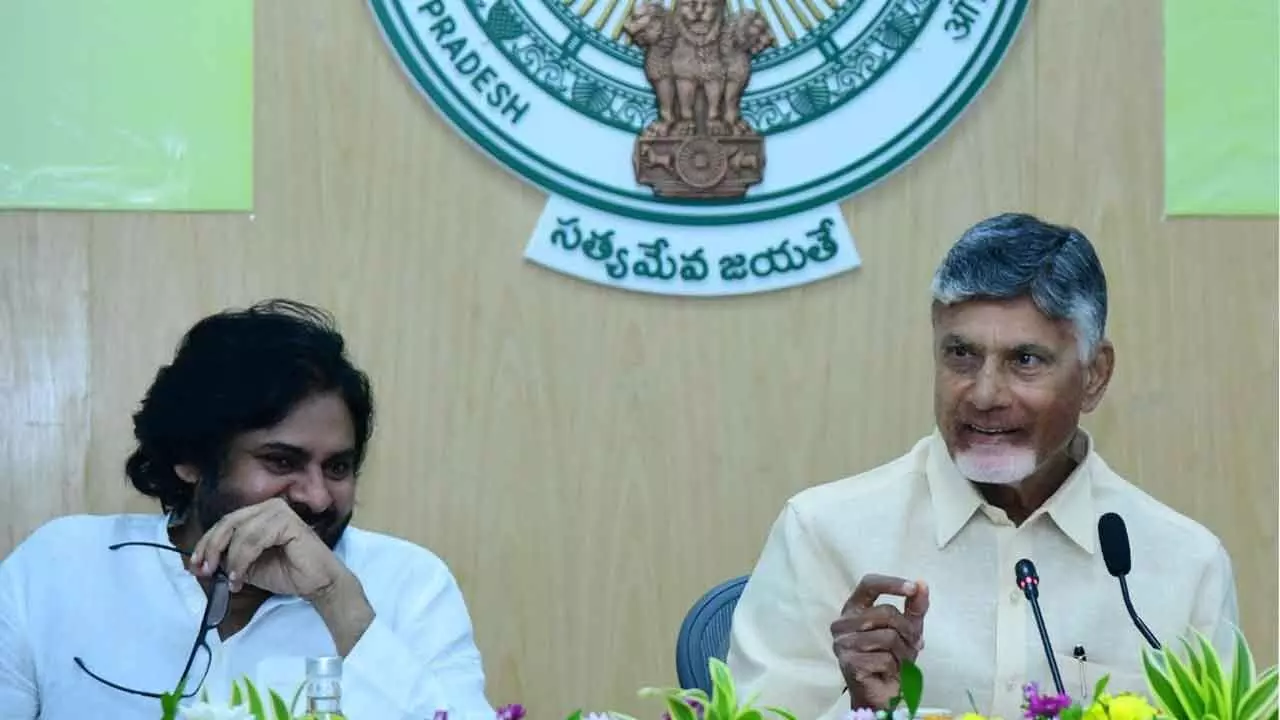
976,716
1096,711
1130,707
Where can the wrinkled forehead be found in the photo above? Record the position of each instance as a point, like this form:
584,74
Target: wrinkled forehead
1001,324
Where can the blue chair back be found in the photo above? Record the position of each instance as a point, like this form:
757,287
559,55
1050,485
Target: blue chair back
704,634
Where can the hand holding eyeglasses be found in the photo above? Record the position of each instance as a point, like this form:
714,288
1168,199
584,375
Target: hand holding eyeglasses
268,546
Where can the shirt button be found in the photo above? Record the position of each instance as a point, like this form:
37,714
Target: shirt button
1011,685
1013,596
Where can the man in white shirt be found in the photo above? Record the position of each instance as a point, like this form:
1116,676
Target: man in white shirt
1019,318
251,441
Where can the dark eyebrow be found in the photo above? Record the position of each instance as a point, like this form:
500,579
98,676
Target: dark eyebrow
346,454
282,448
1034,349
952,340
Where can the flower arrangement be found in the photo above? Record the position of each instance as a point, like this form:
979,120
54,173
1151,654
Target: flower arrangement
1124,706
249,703
1195,688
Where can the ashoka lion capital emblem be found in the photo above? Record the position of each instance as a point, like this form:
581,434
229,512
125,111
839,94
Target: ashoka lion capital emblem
697,58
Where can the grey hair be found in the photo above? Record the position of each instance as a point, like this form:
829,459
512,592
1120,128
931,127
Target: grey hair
1017,255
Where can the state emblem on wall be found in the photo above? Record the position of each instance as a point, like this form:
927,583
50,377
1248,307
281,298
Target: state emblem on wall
699,147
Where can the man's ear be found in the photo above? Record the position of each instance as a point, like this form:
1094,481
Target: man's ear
1097,375
187,473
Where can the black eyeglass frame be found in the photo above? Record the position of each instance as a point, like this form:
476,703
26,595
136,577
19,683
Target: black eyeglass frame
215,611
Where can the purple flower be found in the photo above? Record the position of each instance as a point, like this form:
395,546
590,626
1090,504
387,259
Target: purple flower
514,711
1043,707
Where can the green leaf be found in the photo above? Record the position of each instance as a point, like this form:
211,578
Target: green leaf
912,686
1242,671
577,715
1217,703
1260,699
1101,687
169,704
680,711
237,699
1187,687
750,714
659,692
695,694
723,701
256,708
1161,687
297,695
781,713
278,708
1194,663
1217,693
1075,712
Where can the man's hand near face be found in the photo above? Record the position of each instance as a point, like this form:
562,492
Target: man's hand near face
268,546
871,641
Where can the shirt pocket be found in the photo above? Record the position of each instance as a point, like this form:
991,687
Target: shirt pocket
1080,678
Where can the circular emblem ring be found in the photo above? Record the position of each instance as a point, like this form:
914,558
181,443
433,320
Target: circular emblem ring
553,91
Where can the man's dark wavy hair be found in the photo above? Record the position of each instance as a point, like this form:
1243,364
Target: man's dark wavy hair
235,372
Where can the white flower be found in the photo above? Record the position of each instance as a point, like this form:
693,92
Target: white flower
205,711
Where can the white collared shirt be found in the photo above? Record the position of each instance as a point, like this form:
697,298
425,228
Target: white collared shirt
917,517
132,615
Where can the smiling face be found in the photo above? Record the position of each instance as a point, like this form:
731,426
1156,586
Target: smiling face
308,459
1010,386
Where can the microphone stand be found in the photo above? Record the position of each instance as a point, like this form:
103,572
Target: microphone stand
1133,613
1044,641
1029,583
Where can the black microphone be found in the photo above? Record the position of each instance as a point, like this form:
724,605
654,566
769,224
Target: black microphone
1029,582
1114,539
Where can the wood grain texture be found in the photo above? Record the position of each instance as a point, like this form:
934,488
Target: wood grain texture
589,461
44,371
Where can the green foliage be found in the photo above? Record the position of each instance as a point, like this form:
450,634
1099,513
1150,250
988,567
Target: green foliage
241,695
723,704
910,689
1198,688
169,704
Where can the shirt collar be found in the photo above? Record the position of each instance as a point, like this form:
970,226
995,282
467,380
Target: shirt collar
955,499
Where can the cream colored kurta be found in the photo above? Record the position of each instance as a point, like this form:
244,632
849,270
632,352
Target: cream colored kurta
917,517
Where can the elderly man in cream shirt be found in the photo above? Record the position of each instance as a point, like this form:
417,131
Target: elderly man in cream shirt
915,559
